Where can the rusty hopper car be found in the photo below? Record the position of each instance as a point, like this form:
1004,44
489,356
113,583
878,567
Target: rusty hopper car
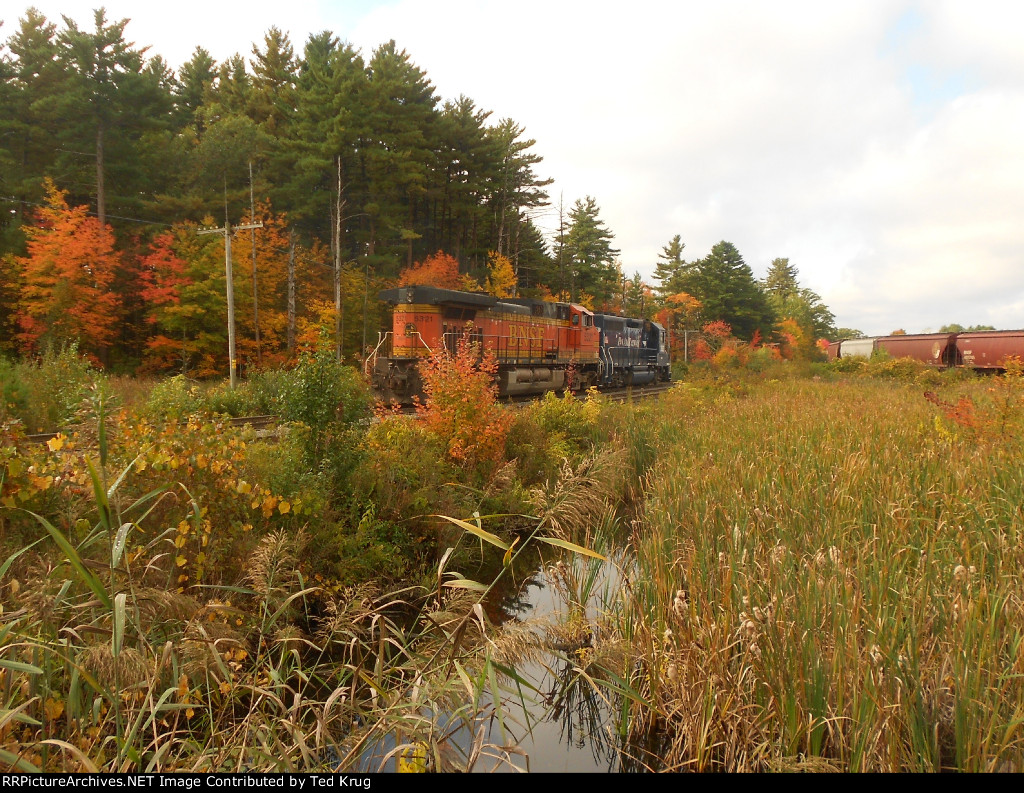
988,350
934,349
539,346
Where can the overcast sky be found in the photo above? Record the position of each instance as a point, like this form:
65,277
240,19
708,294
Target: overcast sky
878,145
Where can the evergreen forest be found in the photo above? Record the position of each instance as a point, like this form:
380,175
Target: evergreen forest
120,175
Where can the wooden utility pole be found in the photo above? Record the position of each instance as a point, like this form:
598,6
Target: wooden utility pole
226,232
338,307
255,296
291,291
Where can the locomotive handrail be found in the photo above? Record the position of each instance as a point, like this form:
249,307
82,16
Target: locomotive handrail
424,343
632,356
507,346
371,359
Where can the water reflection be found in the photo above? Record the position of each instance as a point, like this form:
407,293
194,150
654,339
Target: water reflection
572,717
557,716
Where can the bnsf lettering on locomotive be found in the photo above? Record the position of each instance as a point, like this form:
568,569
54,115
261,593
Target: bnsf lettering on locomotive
525,332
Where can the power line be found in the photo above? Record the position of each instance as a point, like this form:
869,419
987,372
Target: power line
14,200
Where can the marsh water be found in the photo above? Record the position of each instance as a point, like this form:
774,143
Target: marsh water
566,724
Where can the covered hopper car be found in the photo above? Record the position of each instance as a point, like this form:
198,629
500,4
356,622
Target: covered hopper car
538,345
981,350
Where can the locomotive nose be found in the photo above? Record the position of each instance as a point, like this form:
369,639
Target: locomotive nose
398,383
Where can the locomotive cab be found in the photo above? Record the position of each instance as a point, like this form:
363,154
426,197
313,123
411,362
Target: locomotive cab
633,351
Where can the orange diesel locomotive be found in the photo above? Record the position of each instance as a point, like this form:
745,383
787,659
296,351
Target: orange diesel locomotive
536,343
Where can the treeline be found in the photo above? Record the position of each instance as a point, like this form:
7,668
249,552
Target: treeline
110,161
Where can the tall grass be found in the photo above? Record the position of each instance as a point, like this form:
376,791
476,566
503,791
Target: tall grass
829,575
102,668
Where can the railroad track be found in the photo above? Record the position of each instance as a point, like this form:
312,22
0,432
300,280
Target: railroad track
631,394
265,426
625,394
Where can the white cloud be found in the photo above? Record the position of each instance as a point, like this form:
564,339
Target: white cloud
875,144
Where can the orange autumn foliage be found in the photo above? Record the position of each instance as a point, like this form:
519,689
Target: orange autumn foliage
440,270
793,339
461,406
67,279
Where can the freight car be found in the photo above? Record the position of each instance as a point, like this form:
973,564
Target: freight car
981,350
988,350
538,345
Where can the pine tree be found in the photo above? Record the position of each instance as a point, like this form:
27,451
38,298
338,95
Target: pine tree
781,280
465,161
195,80
329,122
515,188
275,74
669,267
637,299
108,101
725,286
28,125
804,306
536,266
589,254
399,151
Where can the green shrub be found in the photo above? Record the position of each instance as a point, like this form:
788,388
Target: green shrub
958,374
53,386
403,470
224,400
850,365
14,394
322,393
176,398
378,550
263,394
903,369
574,421
537,453
762,359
